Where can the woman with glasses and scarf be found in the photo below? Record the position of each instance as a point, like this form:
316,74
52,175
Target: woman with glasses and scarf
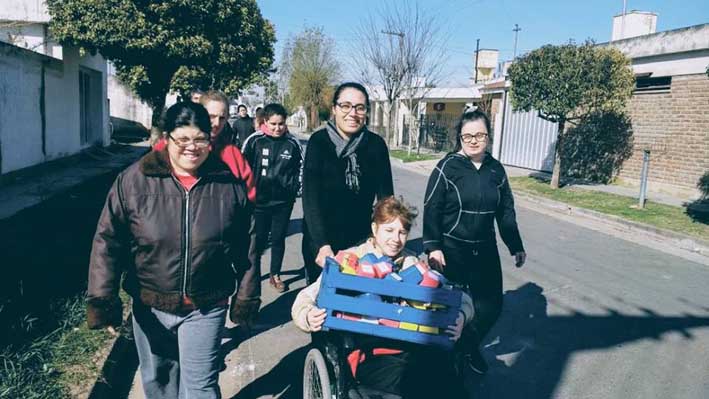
346,168
173,224
467,192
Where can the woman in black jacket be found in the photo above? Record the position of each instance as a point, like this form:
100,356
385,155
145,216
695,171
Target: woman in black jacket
346,167
173,224
467,191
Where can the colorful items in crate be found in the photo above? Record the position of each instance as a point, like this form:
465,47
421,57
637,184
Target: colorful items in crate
416,273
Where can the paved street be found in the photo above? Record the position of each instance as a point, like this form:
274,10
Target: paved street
589,316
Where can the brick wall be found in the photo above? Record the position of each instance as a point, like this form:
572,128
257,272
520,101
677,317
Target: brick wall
675,127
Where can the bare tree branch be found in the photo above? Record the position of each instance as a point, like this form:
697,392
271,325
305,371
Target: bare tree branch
399,49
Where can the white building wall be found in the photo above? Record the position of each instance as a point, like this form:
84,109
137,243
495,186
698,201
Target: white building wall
673,64
25,35
97,63
24,10
633,24
62,107
21,88
677,52
124,104
20,125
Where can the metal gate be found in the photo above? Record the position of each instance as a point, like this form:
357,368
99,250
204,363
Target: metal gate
437,132
528,141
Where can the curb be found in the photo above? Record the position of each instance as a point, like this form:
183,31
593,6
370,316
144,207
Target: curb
679,240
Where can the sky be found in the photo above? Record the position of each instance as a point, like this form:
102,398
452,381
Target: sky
541,22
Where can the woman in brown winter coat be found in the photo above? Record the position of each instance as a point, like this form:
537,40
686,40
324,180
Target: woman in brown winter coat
174,223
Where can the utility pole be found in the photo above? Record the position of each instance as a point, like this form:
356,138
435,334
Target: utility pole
516,31
477,53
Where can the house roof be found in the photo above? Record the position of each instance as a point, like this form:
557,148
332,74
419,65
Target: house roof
376,93
452,93
495,85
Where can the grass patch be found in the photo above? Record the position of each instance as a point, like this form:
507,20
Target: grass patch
63,363
658,215
404,156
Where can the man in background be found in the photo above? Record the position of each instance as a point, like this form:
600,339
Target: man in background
243,125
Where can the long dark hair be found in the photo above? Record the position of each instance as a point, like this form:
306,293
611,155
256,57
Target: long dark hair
469,116
187,113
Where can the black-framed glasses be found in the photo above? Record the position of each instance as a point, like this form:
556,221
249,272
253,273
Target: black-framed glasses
478,137
184,142
347,107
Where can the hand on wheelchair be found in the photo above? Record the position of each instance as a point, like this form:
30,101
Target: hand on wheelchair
455,330
316,318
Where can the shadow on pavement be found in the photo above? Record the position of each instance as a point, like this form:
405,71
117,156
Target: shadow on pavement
45,257
118,371
284,381
539,346
295,275
272,315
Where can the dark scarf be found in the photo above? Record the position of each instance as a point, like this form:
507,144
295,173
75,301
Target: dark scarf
346,149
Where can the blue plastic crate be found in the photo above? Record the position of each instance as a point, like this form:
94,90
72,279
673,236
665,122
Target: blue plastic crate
330,298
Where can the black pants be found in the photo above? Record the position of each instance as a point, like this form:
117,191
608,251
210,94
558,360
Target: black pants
423,372
478,268
312,270
274,220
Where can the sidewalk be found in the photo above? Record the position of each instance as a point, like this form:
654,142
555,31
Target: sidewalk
37,184
668,241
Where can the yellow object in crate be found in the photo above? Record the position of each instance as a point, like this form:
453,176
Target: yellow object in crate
420,305
408,326
428,329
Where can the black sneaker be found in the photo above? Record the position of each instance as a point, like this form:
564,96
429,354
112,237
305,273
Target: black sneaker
475,362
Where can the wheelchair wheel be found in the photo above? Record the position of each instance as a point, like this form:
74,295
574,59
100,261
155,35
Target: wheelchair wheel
316,378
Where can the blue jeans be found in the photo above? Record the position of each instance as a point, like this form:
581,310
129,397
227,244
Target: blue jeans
179,354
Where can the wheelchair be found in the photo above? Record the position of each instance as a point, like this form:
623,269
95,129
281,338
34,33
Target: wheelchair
326,373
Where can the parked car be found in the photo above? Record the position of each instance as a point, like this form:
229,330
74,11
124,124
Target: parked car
127,131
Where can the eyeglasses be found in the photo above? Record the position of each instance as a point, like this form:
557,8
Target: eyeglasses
184,142
478,137
347,107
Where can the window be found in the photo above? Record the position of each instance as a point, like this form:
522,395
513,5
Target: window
646,84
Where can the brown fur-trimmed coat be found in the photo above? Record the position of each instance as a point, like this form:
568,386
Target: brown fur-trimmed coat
170,243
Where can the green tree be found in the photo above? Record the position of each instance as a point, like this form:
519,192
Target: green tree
311,68
161,46
568,82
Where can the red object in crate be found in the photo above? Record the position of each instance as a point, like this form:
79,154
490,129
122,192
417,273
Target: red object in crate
348,316
430,279
347,259
382,269
366,270
389,323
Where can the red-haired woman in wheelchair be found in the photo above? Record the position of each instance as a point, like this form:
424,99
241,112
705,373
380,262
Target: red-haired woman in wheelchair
396,367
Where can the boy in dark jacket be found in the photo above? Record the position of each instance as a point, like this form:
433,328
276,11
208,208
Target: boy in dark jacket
275,157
